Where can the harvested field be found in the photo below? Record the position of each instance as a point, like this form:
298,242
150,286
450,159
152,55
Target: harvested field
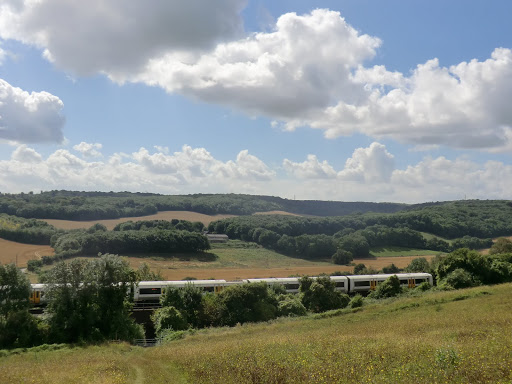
164,215
177,270
25,252
277,213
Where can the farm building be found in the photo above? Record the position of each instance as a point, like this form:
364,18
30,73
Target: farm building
217,238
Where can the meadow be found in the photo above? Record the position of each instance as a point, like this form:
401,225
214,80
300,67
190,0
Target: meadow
12,252
440,337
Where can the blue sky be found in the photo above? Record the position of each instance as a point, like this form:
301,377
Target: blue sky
332,100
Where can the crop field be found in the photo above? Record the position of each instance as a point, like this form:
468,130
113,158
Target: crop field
390,251
11,251
441,337
164,215
241,260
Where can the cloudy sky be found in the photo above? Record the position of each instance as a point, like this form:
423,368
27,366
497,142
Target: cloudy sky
352,100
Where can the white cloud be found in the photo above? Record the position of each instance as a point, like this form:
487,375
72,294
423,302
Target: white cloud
372,164
29,117
88,149
117,36
195,170
312,168
309,70
24,154
303,65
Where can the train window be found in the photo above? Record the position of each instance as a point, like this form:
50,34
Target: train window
209,289
361,283
291,286
419,281
150,291
340,284
403,282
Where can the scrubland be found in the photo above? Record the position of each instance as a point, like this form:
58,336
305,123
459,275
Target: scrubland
459,336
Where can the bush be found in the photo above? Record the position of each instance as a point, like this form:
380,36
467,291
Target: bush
342,257
356,302
420,264
291,306
34,265
168,318
320,295
391,269
460,278
389,288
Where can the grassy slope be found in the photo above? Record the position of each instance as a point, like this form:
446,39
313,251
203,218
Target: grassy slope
456,337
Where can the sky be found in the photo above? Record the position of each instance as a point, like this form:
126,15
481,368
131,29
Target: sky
350,100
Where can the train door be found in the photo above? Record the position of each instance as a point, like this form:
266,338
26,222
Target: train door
218,288
411,283
35,297
373,285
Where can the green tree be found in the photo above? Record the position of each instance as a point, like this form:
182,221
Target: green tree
188,300
419,264
342,257
502,245
319,295
89,300
168,318
14,290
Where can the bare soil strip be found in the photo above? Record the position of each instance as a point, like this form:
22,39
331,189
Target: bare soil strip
164,215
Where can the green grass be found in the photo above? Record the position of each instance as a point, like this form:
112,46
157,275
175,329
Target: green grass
440,337
237,253
390,251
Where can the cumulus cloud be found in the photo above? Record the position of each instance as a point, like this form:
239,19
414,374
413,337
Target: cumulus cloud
372,164
303,65
312,168
118,36
195,170
186,171
29,117
88,149
309,70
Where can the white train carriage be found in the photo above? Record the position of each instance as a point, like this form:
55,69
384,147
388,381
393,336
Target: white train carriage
152,290
365,283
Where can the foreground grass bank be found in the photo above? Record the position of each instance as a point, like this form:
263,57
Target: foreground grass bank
458,337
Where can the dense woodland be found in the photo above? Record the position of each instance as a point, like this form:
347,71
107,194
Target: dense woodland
442,227
69,205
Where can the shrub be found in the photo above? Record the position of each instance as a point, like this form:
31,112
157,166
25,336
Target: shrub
356,302
460,278
342,257
168,318
34,265
389,288
320,295
391,269
291,306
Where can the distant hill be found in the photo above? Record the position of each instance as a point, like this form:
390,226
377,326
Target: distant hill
74,205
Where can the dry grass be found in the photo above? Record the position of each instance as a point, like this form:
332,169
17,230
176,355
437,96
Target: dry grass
177,270
447,337
10,250
164,215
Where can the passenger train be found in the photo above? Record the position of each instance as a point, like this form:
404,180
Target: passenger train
152,290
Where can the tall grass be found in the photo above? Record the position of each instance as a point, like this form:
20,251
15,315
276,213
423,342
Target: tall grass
440,337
